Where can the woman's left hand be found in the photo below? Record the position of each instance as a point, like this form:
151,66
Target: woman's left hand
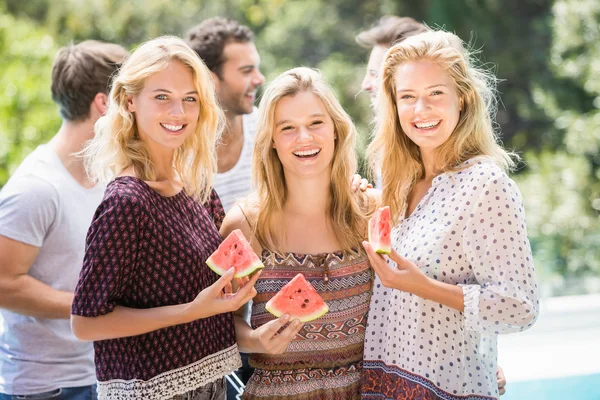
406,276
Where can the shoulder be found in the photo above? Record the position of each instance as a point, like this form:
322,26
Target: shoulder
242,216
127,191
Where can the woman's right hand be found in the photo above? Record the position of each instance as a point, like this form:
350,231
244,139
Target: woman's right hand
219,298
270,340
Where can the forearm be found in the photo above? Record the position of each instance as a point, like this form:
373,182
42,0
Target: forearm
125,321
444,293
244,336
29,296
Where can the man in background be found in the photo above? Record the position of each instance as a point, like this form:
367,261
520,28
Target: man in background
227,48
45,211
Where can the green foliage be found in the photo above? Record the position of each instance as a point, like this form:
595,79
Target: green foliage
27,114
544,51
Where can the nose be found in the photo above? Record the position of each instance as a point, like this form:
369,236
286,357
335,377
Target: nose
259,78
421,105
177,109
304,135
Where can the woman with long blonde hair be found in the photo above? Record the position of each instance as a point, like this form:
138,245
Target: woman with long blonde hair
305,219
160,319
461,271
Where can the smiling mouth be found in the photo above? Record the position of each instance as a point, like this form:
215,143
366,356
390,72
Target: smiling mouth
427,125
172,128
307,153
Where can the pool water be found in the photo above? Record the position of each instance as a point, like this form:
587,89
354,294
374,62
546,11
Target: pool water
584,387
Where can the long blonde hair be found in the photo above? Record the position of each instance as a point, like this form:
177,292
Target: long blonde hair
473,136
117,144
345,208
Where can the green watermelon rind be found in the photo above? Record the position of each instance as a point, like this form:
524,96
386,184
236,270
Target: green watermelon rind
240,274
305,318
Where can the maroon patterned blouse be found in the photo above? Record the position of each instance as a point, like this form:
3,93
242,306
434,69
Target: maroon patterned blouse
144,250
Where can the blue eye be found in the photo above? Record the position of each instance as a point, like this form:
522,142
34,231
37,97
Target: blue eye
437,92
161,97
191,99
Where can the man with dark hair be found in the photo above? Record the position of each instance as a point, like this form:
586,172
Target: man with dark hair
389,30
228,50
45,210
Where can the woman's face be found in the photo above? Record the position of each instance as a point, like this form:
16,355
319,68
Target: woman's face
428,103
304,135
167,108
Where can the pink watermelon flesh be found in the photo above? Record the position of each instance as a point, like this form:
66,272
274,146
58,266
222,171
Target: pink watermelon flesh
235,251
380,231
298,299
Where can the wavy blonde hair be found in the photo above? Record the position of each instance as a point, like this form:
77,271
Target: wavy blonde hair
473,136
117,144
346,211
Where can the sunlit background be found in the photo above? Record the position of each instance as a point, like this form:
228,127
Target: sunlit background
547,54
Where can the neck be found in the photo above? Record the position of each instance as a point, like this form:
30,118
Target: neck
308,196
429,163
69,140
233,127
162,160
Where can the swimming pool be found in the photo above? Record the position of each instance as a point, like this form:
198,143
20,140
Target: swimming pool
586,387
559,358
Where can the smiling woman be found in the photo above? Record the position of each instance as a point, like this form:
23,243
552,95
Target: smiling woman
159,318
461,271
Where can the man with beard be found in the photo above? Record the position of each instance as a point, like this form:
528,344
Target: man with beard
227,48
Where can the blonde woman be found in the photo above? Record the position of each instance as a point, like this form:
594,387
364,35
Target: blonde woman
306,219
462,269
159,318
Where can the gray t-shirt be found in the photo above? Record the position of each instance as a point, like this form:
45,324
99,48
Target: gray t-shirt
44,206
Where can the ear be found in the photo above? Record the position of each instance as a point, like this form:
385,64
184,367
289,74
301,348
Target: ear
216,80
100,103
130,104
461,104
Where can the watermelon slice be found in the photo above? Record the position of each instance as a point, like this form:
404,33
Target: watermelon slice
380,229
235,251
298,299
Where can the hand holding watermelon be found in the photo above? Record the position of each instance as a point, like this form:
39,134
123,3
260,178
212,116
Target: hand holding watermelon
405,275
219,298
271,339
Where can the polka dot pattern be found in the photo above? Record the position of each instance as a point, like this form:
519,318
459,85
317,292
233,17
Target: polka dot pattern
468,230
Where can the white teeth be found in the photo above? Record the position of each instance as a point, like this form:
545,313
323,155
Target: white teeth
426,125
307,152
172,128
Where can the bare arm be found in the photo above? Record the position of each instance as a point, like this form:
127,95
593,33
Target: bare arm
23,294
123,321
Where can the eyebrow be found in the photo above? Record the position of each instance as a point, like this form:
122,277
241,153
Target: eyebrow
428,87
285,121
168,91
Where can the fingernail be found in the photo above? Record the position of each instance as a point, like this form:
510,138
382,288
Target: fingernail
231,270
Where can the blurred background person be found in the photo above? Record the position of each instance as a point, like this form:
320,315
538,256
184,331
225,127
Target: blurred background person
45,211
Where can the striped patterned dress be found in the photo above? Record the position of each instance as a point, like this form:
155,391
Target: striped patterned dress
324,361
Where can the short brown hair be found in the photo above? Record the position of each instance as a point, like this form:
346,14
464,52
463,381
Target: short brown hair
80,72
389,30
210,37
